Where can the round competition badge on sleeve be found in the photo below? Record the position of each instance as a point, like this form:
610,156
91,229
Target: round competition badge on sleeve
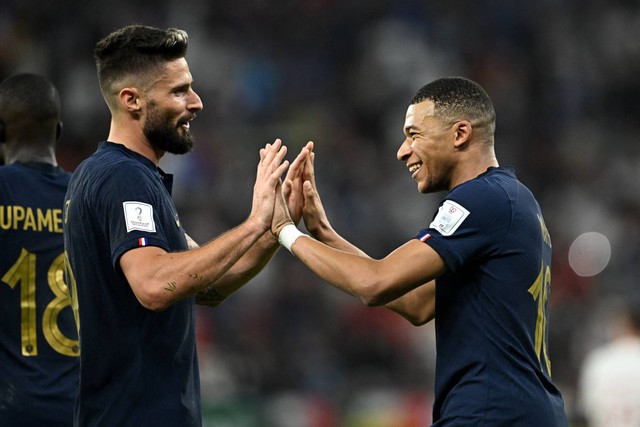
138,216
450,216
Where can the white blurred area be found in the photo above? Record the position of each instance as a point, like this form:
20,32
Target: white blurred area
589,254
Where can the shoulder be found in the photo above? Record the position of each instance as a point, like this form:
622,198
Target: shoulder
108,168
488,192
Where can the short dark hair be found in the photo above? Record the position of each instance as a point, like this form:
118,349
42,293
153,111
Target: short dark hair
458,98
136,50
30,96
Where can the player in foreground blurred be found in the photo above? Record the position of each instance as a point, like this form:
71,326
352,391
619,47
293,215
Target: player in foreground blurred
608,391
481,268
134,279
38,339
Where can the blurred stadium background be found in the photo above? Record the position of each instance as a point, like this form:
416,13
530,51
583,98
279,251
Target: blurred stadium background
288,350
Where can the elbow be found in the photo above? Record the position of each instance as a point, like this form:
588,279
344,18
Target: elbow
372,300
375,294
418,321
154,300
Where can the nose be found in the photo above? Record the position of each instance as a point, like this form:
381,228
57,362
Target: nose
405,150
195,103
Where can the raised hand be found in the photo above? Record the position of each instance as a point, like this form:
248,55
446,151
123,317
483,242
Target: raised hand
292,185
315,217
270,169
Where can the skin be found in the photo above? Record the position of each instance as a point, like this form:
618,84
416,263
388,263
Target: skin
28,139
215,270
404,280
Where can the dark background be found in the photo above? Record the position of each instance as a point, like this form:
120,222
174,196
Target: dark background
289,350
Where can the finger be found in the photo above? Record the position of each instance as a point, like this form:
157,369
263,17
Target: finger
295,171
277,173
272,150
308,190
309,172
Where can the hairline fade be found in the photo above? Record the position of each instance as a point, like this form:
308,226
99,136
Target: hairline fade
458,98
127,56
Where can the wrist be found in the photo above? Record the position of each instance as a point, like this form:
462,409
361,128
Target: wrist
288,235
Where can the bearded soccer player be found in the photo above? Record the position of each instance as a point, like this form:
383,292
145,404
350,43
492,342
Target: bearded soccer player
135,274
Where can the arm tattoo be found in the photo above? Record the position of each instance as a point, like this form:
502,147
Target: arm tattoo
171,286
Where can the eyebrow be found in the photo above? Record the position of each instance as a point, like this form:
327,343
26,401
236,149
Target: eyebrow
408,129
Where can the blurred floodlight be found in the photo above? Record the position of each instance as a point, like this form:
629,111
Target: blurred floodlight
589,254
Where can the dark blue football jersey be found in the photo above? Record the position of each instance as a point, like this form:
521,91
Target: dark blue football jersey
38,336
138,367
492,307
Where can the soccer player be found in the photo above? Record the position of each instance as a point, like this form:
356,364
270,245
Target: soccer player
134,279
38,338
480,267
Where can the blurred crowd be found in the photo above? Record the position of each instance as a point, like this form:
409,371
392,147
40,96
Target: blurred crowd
289,350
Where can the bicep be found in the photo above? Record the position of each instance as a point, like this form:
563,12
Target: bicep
411,265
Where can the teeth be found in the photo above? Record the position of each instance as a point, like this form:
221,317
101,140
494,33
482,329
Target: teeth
414,168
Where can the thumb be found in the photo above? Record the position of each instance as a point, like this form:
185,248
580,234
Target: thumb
287,188
308,189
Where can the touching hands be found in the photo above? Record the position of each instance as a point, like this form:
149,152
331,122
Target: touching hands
315,217
297,197
289,198
292,185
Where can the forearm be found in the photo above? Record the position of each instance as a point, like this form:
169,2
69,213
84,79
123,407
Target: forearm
327,235
245,269
159,278
354,273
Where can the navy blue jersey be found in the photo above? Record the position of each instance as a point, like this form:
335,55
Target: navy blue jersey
138,367
492,311
38,337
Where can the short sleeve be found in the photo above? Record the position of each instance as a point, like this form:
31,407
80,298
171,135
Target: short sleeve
130,206
470,223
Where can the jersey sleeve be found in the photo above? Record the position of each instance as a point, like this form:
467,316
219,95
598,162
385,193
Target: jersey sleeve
130,208
470,223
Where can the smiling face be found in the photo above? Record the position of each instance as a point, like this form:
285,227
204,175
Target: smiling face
428,149
171,105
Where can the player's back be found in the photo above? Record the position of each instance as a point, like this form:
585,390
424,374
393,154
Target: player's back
38,339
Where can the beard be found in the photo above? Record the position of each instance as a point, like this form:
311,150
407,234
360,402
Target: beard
162,134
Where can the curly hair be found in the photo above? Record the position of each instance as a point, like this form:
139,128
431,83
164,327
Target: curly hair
458,98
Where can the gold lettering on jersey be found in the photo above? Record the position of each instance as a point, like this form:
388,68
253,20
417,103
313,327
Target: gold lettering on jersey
545,233
21,218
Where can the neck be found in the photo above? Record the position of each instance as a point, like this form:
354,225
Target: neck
29,155
134,140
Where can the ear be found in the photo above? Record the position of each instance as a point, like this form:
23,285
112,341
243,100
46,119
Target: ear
463,131
58,131
130,100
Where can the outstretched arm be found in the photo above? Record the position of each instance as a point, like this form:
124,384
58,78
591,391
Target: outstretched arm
159,278
403,280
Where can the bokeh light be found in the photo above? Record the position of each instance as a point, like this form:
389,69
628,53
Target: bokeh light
589,254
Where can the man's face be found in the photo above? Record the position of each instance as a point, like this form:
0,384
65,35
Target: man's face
171,105
427,149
